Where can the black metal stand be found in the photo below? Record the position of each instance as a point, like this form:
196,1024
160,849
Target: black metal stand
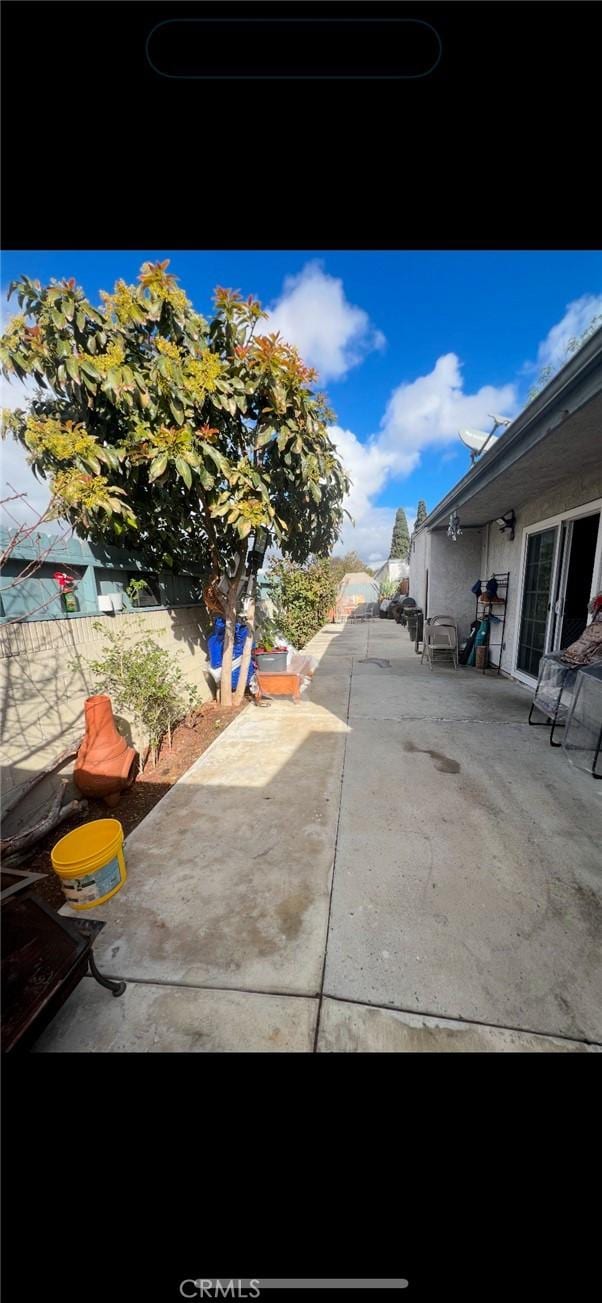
598,749
545,723
503,581
110,983
553,719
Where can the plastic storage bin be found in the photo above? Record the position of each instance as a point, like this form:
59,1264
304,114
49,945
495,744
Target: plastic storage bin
271,662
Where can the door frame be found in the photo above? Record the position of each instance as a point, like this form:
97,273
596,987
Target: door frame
587,509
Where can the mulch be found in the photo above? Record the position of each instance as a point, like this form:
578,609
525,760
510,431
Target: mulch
189,741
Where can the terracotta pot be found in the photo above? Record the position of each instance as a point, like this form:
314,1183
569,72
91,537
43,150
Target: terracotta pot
105,764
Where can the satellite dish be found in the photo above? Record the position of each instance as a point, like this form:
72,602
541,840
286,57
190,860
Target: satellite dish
476,439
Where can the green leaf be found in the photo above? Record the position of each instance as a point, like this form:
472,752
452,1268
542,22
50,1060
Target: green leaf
90,370
93,314
184,470
217,458
176,410
158,466
263,438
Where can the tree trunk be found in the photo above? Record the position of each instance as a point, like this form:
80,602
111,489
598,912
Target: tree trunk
19,793
14,848
246,653
225,694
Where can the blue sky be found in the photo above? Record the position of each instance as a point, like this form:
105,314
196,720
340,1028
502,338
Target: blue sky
409,345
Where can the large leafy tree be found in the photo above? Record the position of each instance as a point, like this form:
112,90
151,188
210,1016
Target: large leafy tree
400,541
348,564
172,434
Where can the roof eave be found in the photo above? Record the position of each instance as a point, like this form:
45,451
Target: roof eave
583,361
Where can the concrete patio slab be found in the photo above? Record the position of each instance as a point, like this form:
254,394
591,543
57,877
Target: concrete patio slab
229,877
151,1019
466,889
476,892
407,689
359,1029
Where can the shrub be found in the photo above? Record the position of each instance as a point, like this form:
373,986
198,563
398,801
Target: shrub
303,596
145,681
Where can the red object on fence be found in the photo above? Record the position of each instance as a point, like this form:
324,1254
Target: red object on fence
63,580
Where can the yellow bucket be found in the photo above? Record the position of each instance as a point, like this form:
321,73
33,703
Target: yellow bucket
90,863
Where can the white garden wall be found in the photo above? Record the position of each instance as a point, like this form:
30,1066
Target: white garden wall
43,698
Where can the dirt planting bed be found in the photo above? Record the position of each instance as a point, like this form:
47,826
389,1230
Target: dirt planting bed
188,743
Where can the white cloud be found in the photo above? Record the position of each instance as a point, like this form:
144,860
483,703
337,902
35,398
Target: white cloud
553,349
426,413
423,413
431,409
314,314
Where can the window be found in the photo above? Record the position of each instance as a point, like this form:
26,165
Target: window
147,596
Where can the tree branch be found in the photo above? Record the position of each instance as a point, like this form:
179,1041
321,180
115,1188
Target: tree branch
17,795
14,848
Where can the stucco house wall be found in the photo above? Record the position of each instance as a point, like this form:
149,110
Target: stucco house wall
453,570
500,554
393,569
419,564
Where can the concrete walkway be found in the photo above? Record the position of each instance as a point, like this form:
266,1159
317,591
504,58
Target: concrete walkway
397,863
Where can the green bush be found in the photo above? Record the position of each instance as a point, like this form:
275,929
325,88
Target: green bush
144,681
303,596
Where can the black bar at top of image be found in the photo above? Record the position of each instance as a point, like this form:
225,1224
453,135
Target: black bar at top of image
298,48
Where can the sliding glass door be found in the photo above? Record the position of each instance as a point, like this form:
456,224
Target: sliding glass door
562,568
537,600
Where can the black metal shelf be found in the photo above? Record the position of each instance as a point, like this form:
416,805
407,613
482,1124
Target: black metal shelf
487,609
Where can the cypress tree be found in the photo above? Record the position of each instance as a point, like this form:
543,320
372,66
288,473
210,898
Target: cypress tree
400,542
421,513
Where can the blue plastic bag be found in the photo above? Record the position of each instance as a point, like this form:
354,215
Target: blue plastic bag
215,647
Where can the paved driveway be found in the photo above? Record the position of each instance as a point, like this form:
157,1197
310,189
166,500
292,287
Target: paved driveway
397,863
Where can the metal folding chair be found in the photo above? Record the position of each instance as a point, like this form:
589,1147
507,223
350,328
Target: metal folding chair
440,635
